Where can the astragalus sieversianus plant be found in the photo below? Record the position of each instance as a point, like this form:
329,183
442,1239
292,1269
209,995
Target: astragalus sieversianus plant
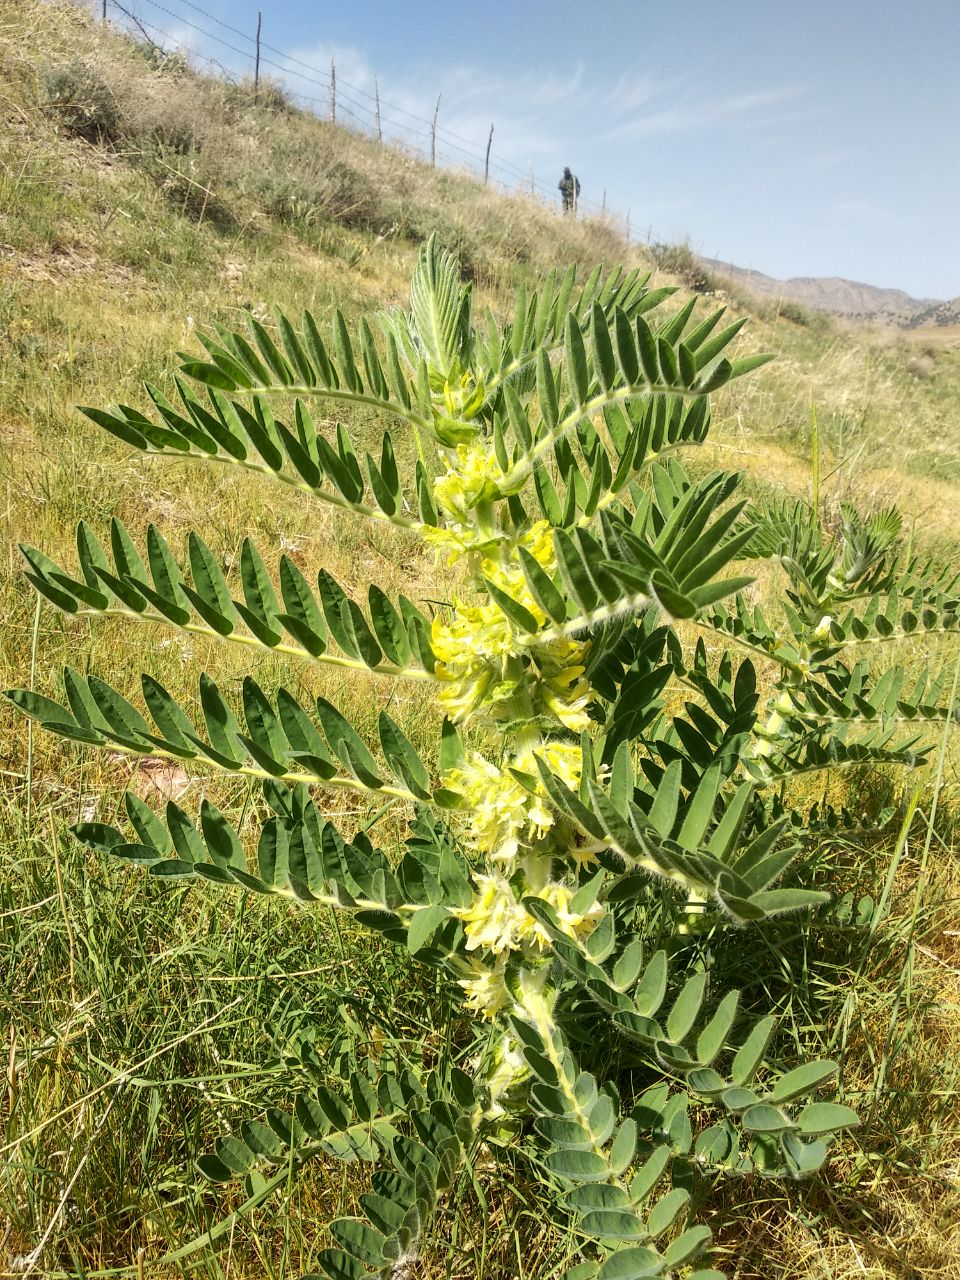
612,790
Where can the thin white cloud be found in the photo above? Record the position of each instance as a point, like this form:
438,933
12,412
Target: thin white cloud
530,113
633,91
700,116
351,64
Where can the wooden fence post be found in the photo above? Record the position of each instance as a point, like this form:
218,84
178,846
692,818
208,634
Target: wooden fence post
376,91
333,91
486,163
433,134
256,65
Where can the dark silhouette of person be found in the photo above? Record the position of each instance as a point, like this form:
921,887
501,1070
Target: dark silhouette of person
569,187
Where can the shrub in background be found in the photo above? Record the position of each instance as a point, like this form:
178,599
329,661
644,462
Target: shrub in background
82,102
680,260
269,95
319,186
610,807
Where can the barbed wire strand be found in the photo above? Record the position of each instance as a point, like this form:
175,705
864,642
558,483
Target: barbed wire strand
391,106
450,139
320,78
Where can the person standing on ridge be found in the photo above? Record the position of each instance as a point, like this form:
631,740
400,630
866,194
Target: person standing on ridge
569,186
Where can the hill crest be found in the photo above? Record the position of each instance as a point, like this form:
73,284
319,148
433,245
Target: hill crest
851,299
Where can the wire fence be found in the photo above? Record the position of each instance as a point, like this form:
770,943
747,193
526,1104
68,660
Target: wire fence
342,102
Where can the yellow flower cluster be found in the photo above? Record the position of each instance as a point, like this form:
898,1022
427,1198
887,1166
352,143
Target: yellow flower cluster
487,663
456,540
497,921
538,540
563,688
475,476
486,990
472,649
459,540
502,812
471,653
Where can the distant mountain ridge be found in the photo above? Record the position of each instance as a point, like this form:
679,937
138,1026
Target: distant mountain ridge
848,298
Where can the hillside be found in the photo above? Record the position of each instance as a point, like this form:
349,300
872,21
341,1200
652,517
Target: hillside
938,314
847,298
140,202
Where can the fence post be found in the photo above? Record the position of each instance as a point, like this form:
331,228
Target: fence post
256,65
433,134
103,13
603,204
376,93
628,226
486,163
333,91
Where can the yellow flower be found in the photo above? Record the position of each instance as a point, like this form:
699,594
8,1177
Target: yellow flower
564,688
563,759
486,991
510,579
494,917
457,540
582,857
470,651
538,540
474,476
822,630
574,924
500,811
498,922
496,805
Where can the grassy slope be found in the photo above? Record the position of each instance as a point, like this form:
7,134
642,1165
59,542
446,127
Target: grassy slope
203,206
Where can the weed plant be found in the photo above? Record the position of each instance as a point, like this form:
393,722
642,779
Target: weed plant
606,807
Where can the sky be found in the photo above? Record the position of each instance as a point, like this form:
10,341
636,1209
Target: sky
793,137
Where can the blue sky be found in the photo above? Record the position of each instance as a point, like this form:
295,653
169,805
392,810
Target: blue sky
816,138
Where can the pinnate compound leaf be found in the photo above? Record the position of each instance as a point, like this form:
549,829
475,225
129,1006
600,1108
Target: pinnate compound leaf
437,301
